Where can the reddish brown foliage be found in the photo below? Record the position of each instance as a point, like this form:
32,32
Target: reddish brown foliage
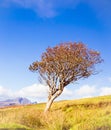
65,63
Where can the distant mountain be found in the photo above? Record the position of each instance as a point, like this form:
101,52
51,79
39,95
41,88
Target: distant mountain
15,101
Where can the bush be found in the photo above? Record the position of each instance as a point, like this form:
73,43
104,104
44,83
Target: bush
32,120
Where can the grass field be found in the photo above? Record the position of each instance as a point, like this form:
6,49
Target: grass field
83,114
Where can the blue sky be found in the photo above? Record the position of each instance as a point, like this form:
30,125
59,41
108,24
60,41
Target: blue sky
28,27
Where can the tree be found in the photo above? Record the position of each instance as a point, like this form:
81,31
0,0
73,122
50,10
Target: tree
64,64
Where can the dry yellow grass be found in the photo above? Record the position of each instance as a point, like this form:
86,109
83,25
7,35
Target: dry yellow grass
84,114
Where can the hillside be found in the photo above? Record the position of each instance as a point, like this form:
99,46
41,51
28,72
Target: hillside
83,114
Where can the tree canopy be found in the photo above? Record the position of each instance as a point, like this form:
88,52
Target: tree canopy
65,63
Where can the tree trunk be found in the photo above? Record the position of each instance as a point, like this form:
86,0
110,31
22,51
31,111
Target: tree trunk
50,101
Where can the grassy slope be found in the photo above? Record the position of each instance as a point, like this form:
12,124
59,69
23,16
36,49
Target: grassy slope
83,114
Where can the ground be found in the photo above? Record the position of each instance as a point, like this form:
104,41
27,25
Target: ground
83,114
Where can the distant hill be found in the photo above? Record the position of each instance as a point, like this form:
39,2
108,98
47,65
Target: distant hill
15,101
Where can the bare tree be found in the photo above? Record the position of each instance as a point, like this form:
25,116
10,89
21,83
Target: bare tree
64,64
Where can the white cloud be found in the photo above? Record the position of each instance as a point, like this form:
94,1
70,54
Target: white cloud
91,91
5,93
2,90
67,92
44,8
86,91
39,92
50,8
105,91
35,90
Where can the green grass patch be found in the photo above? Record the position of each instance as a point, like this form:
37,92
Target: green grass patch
13,126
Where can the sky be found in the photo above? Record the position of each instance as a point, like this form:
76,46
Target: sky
28,27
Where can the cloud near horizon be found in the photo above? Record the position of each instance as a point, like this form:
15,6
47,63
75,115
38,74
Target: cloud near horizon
86,91
39,92
33,92
5,93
